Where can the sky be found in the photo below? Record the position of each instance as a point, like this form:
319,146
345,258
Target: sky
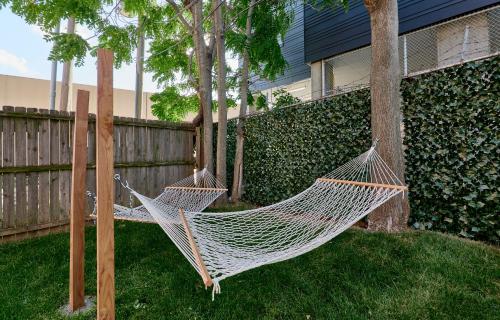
24,52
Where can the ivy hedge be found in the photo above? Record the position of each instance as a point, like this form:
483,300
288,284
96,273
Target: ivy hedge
452,135
287,148
452,147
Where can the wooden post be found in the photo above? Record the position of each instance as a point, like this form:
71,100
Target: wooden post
196,252
78,188
105,188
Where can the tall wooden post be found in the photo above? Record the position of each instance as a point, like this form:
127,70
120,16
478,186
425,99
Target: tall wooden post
78,188
105,187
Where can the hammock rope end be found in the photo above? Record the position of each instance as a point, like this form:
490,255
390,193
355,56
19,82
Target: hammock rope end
215,289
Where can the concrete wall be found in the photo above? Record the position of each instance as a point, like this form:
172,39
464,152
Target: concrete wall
34,93
450,40
316,79
299,89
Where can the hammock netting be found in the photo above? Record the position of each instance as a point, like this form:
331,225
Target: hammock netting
220,245
194,193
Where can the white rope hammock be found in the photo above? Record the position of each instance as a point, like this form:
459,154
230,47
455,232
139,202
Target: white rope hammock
194,193
220,245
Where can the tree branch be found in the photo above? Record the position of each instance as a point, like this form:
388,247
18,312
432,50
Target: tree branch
179,14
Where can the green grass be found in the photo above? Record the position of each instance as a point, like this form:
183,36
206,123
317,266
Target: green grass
358,275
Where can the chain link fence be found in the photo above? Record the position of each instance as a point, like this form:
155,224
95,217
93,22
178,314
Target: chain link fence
452,42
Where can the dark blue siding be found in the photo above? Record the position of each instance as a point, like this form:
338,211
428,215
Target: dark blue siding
333,31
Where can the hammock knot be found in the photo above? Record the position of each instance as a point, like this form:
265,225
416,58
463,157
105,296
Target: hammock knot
215,288
125,185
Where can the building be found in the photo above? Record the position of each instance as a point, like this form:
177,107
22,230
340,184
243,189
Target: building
35,93
328,50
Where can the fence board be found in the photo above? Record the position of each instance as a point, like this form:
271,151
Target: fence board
55,145
91,158
129,156
156,144
140,147
117,141
91,141
9,211
44,177
20,160
91,187
64,176
32,160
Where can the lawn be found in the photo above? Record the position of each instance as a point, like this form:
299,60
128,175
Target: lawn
358,275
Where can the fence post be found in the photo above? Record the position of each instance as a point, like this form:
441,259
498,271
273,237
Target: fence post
105,187
77,229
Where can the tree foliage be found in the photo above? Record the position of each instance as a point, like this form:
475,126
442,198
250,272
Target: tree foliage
99,16
283,99
171,58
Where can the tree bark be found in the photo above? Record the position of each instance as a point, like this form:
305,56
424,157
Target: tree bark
205,80
53,77
221,96
385,108
238,158
66,73
139,67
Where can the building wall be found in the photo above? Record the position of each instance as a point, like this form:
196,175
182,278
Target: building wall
450,40
465,38
35,93
330,32
299,89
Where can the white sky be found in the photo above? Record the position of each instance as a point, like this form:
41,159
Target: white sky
24,52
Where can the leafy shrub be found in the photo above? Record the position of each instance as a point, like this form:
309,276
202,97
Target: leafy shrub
452,137
230,150
287,148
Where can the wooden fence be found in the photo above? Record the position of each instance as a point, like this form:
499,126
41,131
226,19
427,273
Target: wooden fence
35,172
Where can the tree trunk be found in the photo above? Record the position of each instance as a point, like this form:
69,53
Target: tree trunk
221,96
66,74
139,67
385,107
238,158
205,82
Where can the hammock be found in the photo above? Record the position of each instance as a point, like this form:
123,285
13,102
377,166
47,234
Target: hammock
220,245
194,193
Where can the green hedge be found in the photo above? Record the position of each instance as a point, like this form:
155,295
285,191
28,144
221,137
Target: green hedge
286,149
230,150
452,147
452,136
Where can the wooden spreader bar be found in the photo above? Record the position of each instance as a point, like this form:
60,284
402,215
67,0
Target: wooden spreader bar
365,184
193,188
196,252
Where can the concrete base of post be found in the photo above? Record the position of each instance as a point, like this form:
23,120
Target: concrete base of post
89,306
